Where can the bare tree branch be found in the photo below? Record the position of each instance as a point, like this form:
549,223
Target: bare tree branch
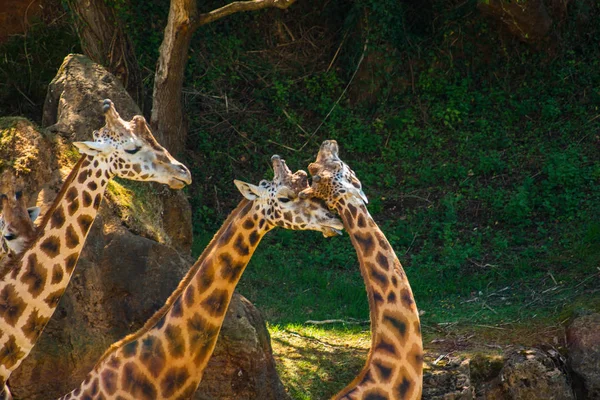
239,6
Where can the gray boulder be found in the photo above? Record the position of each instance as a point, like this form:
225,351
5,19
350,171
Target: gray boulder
583,342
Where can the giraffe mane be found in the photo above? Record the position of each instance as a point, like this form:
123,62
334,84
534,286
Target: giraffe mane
180,288
14,261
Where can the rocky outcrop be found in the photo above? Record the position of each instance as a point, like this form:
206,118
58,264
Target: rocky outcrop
127,268
528,20
583,342
449,380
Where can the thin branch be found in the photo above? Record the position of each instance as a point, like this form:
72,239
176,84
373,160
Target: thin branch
238,6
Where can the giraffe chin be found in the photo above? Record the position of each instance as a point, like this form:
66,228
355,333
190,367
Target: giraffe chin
175,183
330,232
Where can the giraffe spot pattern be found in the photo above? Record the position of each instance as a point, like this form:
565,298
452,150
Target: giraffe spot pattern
207,277
109,381
53,298
152,355
248,224
73,207
58,218
396,325
10,353
86,198
406,298
361,222
227,235
71,261
51,246
385,346
230,269
175,341
34,326
177,309
189,295
85,221
92,186
174,379
391,297
11,305
403,388
216,303
34,276
57,273
382,260
83,175
254,237
376,276
384,372
240,245
201,337
71,237
365,242
71,195
97,201
130,349
114,362
353,210
135,383
375,396
348,219
377,297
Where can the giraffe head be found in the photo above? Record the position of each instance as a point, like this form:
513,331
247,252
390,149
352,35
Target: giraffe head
282,206
16,223
131,151
332,179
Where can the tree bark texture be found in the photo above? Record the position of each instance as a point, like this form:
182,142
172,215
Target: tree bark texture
104,40
167,118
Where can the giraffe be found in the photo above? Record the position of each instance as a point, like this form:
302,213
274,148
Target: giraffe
394,367
16,224
18,232
32,284
166,358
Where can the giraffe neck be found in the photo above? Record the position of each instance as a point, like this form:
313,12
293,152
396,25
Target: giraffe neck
167,357
394,366
32,284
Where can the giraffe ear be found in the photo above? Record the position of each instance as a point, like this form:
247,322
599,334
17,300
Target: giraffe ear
249,191
34,212
92,148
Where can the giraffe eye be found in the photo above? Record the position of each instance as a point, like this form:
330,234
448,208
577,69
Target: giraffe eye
138,148
284,199
10,236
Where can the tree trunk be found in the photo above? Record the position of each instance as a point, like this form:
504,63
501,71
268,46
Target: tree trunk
167,110
104,41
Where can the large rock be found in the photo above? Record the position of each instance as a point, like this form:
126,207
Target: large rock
528,19
530,374
449,380
121,278
583,342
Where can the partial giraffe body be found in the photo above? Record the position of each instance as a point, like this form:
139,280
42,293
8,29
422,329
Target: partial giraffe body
18,232
394,367
32,284
167,357
16,224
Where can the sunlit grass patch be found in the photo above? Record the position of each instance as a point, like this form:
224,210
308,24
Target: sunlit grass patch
316,362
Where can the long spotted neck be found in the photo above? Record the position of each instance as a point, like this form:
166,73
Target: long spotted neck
394,366
32,285
167,357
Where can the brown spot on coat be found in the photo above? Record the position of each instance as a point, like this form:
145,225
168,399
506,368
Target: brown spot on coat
85,221
53,298
34,326
11,305
152,355
86,198
57,273
174,379
51,246
58,218
134,382
175,341
71,237
34,276
10,353
216,303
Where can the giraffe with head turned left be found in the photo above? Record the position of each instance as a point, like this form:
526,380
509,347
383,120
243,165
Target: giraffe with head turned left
167,357
32,284
394,367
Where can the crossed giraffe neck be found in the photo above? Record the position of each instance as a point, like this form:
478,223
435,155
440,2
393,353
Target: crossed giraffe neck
167,357
33,283
394,367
